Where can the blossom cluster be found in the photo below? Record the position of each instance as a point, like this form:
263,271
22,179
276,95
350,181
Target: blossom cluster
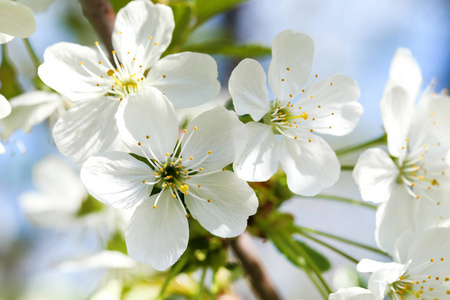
116,114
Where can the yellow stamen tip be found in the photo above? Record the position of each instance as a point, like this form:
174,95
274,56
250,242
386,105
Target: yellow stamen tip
184,188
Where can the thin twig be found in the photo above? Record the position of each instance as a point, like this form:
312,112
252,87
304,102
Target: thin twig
101,15
260,281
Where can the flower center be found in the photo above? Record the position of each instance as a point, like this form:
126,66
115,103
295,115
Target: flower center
284,118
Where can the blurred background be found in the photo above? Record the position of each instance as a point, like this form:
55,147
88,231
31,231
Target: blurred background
353,37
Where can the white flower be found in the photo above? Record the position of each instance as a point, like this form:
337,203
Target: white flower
413,177
189,172
5,107
421,269
15,20
142,32
353,293
58,201
325,107
30,109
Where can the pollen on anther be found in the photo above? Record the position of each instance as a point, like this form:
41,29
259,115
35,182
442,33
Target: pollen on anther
223,169
96,43
139,143
309,140
195,128
164,76
191,158
156,44
113,52
295,137
154,206
98,84
317,75
143,181
121,99
208,200
311,130
209,152
331,83
199,185
174,196
312,96
319,106
303,90
167,154
184,130
287,69
432,260
290,95
80,63
147,137
201,169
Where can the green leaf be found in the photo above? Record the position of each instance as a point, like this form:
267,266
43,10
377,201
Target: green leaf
207,9
10,86
321,261
118,4
182,15
226,47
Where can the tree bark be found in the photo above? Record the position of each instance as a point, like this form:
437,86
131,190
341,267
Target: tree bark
261,284
101,16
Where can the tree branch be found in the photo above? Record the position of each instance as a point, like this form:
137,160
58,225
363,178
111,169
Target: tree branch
261,283
101,16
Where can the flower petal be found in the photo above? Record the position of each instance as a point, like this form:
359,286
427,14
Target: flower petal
187,79
88,128
216,131
309,167
396,112
432,246
5,38
232,201
405,72
30,109
117,179
36,5
375,174
259,161
16,19
144,30
292,56
394,217
5,107
352,293
62,71
158,236
148,124
332,103
247,87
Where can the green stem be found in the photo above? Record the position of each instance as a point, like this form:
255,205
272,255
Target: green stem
31,52
172,273
301,230
214,285
201,284
347,168
307,259
329,247
381,140
285,247
346,200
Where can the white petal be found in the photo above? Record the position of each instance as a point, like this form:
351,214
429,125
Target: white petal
103,260
16,19
216,132
380,279
405,72
29,110
232,201
187,79
62,71
36,5
352,293
394,217
432,244
135,24
158,236
117,179
291,50
309,167
88,128
259,161
396,112
247,87
5,107
333,105
148,114
375,174
5,38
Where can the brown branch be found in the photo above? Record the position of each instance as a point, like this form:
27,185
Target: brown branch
261,283
101,16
